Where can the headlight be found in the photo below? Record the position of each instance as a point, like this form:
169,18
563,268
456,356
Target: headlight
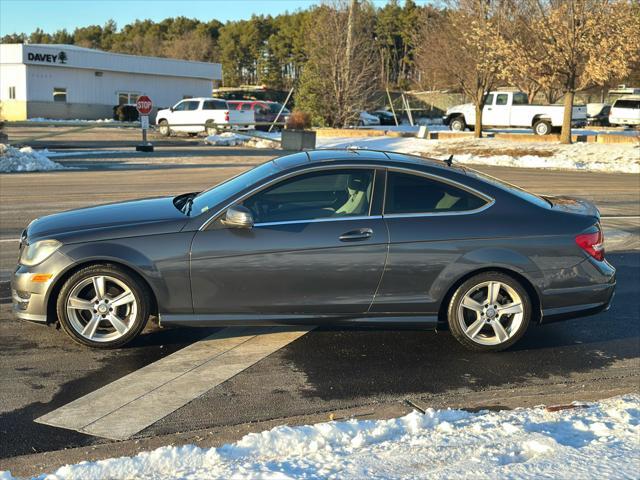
38,252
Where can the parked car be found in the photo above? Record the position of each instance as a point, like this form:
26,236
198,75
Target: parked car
367,120
355,237
195,115
598,114
385,117
264,111
625,111
512,109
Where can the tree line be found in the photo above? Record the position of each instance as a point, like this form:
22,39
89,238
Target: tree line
263,50
339,53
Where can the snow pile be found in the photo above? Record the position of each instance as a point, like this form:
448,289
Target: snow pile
73,120
25,160
596,157
601,440
231,139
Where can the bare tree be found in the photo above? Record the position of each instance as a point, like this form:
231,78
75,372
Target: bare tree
340,76
571,45
459,45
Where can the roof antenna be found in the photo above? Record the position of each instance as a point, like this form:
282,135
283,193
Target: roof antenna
449,161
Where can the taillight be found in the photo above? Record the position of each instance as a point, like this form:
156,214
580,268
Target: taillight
592,243
226,116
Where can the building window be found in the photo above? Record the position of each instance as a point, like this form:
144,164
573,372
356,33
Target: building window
59,94
127,98
12,93
98,74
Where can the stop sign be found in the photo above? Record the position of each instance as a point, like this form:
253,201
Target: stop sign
144,105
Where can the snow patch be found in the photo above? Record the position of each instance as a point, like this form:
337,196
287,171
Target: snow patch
25,160
600,441
594,157
74,120
231,139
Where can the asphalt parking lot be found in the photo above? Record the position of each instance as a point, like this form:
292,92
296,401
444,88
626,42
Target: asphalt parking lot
328,369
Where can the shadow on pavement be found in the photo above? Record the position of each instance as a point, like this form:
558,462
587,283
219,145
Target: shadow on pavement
343,363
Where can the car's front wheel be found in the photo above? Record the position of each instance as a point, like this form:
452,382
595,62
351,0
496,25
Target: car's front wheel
103,306
163,128
489,312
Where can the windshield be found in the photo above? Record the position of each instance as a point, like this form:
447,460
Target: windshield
513,189
221,192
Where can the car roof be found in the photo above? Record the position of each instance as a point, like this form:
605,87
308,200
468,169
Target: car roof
355,155
202,98
628,97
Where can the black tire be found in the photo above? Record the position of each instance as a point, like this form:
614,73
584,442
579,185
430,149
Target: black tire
137,287
163,128
469,286
542,127
458,124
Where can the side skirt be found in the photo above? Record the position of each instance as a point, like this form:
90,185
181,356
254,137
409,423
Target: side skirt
220,320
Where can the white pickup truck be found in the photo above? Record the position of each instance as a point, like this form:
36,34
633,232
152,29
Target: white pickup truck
512,109
210,115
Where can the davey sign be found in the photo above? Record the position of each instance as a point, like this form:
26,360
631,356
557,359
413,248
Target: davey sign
144,105
60,57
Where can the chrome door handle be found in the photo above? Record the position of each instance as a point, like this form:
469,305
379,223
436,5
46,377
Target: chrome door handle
356,235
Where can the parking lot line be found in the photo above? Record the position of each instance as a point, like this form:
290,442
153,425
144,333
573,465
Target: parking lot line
129,405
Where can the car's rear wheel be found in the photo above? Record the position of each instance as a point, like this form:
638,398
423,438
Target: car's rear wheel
489,312
103,306
163,128
458,124
542,127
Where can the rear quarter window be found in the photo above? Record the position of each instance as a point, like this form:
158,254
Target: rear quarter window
409,193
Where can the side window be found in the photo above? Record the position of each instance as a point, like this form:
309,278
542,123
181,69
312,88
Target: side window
317,195
488,99
215,105
246,107
191,104
407,193
520,98
501,99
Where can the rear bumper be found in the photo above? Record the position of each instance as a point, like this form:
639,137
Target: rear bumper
580,301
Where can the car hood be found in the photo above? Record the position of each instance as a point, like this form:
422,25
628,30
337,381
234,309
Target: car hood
115,220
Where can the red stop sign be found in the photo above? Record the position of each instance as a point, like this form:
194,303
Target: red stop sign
144,105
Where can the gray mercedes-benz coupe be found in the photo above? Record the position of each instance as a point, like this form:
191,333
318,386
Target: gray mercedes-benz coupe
325,236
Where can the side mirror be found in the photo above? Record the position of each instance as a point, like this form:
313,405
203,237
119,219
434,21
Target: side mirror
171,108
238,216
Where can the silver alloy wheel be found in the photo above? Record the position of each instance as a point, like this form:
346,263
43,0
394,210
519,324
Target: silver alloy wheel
490,313
101,308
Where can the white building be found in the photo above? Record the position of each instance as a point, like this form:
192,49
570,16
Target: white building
65,81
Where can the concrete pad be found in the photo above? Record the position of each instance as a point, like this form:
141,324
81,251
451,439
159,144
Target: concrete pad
125,407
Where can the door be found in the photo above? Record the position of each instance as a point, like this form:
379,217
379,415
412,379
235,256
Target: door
318,246
497,115
185,114
432,224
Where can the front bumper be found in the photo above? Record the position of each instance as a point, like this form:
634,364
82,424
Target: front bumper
30,299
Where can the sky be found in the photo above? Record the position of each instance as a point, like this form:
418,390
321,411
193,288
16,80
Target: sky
18,16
